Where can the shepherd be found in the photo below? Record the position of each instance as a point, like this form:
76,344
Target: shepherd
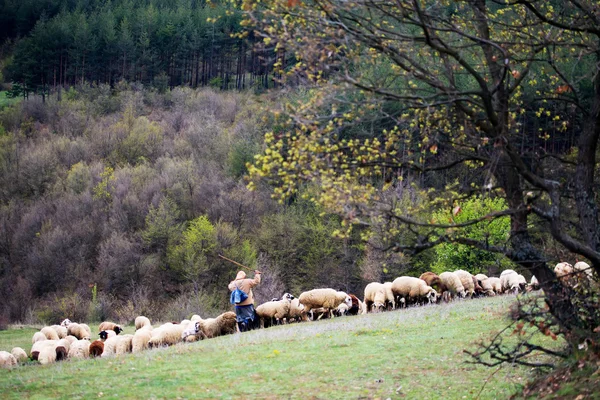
244,310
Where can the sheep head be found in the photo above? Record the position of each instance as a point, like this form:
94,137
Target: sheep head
118,329
287,297
66,322
103,335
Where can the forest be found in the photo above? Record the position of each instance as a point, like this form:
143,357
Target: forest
327,143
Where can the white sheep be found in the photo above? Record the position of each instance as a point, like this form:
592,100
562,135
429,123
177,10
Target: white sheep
390,300
140,339
19,354
71,338
86,328
141,322
38,337
47,354
166,335
325,298
564,272
79,331
512,282
110,347
467,281
413,290
195,318
453,284
7,360
79,349
60,330
106,334
66,322
50,333
496,284
38,346
583,269
124,344
486,285
375,296
274,310
297,311
224,324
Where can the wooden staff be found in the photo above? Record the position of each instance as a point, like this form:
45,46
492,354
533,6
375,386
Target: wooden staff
237,263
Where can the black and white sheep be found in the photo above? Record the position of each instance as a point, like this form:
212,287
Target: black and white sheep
110,326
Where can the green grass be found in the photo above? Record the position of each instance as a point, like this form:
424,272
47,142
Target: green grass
6,101
414,353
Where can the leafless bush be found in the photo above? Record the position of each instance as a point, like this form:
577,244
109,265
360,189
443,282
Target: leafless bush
271,285
34,109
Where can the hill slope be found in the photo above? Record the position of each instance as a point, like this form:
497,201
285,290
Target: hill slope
414,353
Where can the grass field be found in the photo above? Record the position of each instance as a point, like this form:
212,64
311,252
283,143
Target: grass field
6,101
415,354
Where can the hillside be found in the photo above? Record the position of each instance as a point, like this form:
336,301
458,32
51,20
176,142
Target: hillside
413,353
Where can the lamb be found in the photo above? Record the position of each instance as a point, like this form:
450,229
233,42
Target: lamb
7,360
496,284
453,284
79,349
38,337
341,310
375,296
110,326
274,310
49,333
435,282
467,281
140,339
62,349
106,334
142,322
166,335
61,331
413,290
326,298
96,348
38,346
224,324
79,331
19,354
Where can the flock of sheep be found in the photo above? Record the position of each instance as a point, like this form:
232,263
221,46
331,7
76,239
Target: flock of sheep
73,340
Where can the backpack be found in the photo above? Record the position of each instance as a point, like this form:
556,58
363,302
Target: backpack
237,296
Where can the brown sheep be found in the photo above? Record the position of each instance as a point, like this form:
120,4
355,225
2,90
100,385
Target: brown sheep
435,282
96,348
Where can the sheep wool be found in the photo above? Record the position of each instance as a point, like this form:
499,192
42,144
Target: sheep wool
487,287
496,284
413,290
390,300
141,322
297,311
140,339
124,344
62,349
60,330
166,335
453,284
224,324
38,346
79,331
48,353
106,334
434,281
534,284
467,281
19,354
110,347
7,360
512,282
38,337
274,310
325,298
50,333
583,269
71,338
87,328
195,318
96,348
79,349
375,296
110,326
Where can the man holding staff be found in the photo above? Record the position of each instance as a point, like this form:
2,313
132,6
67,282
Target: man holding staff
244,310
